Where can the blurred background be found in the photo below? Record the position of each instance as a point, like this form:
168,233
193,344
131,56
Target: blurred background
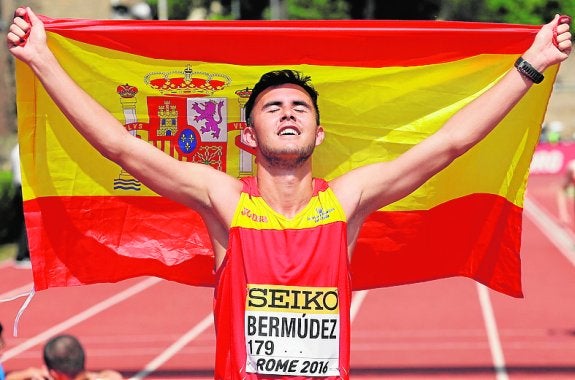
558,127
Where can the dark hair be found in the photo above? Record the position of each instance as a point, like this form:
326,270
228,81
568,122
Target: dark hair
64,354
277,78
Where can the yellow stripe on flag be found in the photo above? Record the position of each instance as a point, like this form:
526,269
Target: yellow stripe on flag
370,114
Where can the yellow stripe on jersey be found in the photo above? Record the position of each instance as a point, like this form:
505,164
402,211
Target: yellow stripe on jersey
255,213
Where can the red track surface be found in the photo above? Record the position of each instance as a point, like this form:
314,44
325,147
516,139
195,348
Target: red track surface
448,329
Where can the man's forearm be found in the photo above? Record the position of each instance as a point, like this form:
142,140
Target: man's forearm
92,120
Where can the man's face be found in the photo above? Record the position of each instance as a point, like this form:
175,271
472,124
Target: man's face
285,127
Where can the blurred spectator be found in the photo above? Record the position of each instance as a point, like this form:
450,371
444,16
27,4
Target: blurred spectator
23,253
551,132
64,359
131,9
565,196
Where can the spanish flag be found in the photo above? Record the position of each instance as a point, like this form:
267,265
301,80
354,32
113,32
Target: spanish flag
182,86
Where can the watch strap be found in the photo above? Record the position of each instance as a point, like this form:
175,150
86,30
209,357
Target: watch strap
528,71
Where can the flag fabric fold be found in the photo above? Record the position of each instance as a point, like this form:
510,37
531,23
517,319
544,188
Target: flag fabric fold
384,86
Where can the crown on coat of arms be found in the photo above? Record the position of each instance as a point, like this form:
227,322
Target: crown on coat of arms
187,82
244,92
126,90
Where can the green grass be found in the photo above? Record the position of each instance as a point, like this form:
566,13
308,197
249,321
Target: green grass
5,178
7,251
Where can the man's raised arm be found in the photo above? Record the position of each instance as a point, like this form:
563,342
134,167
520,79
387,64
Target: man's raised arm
371,187
186,183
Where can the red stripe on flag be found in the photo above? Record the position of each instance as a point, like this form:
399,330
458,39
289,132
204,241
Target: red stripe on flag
74,240
356,43
84,240
477,236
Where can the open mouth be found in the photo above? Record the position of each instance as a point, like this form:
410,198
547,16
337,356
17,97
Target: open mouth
289,131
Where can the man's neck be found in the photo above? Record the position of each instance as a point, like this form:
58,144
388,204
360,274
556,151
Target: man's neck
287,192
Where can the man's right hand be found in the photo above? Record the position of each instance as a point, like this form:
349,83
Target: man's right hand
26,38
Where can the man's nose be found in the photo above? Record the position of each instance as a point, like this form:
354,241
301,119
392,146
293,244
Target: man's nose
287,115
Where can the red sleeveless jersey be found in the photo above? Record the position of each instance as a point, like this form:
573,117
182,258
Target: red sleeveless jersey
283,292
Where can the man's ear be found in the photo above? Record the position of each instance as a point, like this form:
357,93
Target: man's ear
249,136
319,135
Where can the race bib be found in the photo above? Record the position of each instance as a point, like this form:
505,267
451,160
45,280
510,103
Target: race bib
292,330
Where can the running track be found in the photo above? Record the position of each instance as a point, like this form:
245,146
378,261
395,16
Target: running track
447,329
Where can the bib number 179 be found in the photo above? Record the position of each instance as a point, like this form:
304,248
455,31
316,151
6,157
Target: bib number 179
261,347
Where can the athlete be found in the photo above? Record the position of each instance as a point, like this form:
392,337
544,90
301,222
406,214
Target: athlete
283,239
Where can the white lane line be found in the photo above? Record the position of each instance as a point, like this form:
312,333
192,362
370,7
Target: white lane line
563,241
172,350
492,333
558,235
80,317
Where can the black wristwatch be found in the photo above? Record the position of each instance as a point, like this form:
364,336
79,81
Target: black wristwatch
528,71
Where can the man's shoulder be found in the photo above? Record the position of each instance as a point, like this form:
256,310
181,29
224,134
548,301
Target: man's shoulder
104,375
